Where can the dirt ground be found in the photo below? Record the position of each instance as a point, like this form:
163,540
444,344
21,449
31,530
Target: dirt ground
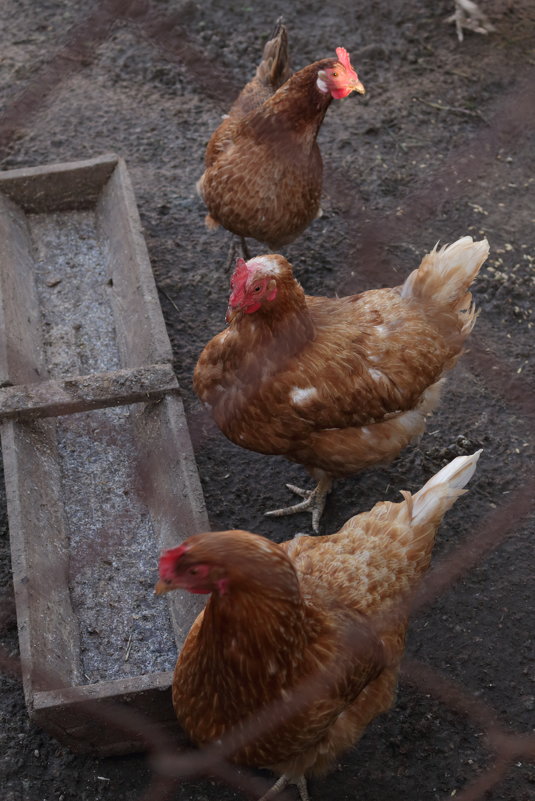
441,146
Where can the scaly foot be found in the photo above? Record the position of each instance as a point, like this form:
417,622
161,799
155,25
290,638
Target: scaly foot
233,252
246,253
281,783
314,501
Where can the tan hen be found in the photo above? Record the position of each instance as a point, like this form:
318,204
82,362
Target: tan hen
299,646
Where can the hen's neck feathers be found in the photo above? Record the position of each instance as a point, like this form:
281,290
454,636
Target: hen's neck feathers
275,334
298,104
262,606
256,617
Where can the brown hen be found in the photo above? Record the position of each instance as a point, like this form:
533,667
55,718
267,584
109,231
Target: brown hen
263,168
299,646
336,384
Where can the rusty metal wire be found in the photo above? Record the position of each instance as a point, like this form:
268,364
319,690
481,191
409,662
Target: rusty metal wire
513,120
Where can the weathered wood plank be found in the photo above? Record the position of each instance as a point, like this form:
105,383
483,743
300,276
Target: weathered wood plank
21,349
57,187
48,633
115,717
173,492
83,393
141,334
48,630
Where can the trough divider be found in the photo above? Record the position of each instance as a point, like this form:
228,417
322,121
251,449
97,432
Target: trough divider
54,398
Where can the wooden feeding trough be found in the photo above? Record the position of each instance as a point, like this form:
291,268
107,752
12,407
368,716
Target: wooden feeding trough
99,469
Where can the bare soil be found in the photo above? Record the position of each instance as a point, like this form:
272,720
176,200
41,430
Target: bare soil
441,146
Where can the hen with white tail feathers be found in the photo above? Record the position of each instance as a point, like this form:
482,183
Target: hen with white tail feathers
336,384
299,646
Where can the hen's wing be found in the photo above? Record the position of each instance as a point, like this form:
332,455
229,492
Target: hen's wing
362,390
355,396
273,70
373,355
364,568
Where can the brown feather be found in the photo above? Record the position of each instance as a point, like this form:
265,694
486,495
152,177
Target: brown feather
337,384
302,649
273,70
263,168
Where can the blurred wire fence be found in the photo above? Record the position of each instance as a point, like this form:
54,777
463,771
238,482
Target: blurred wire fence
366,243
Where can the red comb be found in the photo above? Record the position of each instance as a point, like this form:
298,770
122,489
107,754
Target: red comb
343,57
168,561
240,273
238,282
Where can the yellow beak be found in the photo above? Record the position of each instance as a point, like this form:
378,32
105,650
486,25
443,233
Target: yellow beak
161,587
231,314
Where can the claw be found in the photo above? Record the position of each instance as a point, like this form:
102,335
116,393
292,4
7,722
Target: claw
281,783
231,258
314,501
303,493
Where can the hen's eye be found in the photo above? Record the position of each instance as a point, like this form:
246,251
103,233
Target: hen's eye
257,288
193,571
335,75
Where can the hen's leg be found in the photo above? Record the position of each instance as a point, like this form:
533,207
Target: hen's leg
468,15
281,783
314,501
244,249
233,252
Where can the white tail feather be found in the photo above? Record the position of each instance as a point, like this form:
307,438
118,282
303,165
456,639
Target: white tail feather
445,275
443,489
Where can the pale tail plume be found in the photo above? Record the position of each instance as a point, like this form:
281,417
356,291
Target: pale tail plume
444,275
441,491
